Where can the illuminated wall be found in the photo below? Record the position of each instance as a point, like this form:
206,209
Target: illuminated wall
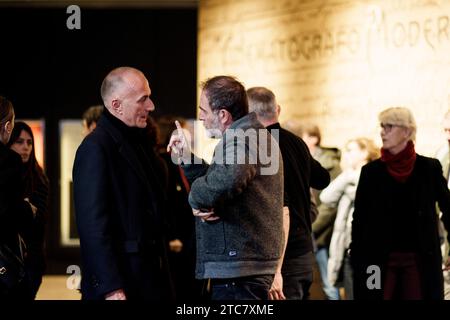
71,137
336,62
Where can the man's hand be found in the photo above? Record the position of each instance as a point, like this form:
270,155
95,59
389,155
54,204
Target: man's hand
116,295
179,143
276,291
205,215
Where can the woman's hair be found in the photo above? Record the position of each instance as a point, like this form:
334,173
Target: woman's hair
6,112
311,130
399,116
33,172
92,115
365,144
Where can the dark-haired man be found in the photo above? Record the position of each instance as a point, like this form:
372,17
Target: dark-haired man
237,199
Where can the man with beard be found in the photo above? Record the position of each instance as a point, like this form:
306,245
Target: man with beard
237,199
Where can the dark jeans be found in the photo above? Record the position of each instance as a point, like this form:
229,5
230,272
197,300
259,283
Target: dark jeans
296,287
402,277
244,288
298,276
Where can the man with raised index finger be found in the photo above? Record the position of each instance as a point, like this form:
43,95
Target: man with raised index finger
237,198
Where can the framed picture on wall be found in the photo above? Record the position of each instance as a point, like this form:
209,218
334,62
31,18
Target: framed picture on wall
71,135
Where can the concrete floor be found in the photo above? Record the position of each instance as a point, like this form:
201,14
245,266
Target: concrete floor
58,287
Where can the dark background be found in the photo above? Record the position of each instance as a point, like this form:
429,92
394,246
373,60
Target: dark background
50,72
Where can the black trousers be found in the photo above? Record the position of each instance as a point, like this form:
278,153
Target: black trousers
245,288
298,276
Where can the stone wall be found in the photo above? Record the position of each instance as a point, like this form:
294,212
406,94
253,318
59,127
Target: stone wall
337,62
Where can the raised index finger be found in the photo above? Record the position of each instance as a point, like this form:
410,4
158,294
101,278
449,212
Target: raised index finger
177,123
180,130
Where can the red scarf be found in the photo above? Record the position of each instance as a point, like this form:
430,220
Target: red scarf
400,165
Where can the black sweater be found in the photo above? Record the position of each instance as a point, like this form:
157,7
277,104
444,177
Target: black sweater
301,172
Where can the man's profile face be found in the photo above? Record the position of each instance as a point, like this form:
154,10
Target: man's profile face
136,103
210,118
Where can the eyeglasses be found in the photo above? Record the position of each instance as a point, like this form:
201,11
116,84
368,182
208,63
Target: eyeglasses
387,127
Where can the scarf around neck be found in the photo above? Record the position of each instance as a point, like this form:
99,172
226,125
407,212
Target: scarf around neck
400,165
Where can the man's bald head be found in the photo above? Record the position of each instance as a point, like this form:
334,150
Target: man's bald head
126,94
117,82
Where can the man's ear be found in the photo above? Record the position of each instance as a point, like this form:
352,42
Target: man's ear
278,109
225,117
116,106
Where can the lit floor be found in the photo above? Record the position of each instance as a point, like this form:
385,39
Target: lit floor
56,288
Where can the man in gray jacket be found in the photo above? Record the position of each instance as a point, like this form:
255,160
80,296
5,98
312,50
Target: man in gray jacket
238,198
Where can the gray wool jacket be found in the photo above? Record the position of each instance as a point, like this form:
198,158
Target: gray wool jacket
247,195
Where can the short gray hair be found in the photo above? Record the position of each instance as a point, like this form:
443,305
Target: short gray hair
113,80
399,116
262,101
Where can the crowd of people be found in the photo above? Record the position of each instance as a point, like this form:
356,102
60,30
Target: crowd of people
158,223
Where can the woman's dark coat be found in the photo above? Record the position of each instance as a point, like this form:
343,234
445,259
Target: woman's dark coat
372,226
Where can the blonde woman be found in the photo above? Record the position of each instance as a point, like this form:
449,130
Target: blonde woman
341,194
395,250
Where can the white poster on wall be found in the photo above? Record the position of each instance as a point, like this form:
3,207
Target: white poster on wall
71,135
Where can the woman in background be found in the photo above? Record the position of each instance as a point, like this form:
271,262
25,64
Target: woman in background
16,214
341,194
36,192
395,249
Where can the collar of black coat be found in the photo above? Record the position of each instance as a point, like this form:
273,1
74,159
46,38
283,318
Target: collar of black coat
132,134
130,145
275,125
